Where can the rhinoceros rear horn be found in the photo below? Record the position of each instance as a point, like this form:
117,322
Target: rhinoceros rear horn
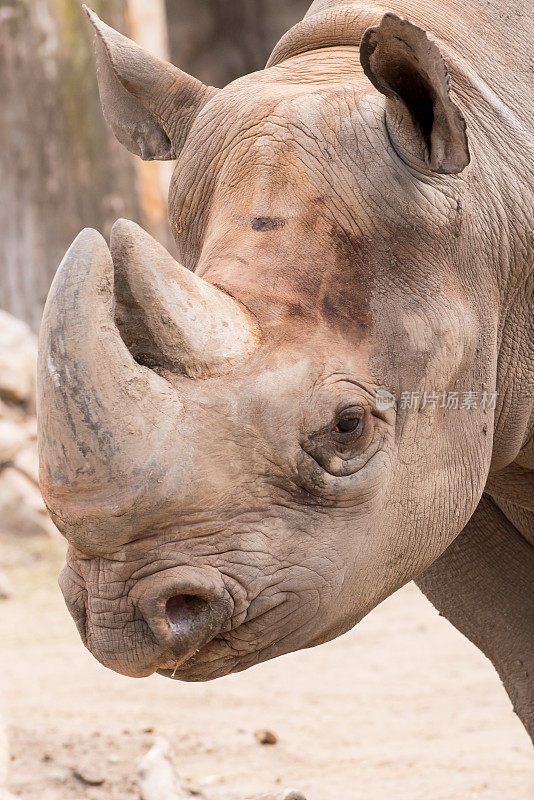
170,318
148,103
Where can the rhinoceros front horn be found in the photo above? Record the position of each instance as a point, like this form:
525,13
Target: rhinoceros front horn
105,420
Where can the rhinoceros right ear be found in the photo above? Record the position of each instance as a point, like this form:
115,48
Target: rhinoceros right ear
149,104
424,124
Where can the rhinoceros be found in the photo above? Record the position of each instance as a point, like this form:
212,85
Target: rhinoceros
330,392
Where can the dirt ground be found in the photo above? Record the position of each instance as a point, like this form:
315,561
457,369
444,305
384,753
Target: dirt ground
401,708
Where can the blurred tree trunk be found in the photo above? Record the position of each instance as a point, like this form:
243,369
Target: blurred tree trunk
219,40
60,167
147,25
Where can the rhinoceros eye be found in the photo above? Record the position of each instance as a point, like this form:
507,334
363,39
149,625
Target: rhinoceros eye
348,423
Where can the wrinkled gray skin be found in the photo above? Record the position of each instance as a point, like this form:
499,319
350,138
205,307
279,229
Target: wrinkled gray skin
218,511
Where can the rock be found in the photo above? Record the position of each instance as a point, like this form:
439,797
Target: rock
18,359
21,506
90,776
13,438
194,792
5,587
266,737
157,778
27,462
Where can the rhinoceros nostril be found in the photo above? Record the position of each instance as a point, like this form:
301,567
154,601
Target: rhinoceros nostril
187,614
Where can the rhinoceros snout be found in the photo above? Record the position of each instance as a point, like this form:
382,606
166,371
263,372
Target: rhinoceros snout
163,620
185,608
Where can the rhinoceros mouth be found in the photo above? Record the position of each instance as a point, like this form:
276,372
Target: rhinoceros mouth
208,664
254,640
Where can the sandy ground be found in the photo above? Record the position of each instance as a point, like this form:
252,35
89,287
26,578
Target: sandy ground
401,708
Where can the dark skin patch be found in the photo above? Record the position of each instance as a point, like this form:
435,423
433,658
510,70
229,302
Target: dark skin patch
345,303
267,223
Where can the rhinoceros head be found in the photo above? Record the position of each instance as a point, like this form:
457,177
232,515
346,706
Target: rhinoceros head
225,450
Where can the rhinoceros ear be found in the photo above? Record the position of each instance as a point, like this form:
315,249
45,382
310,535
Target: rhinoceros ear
149,104
423,122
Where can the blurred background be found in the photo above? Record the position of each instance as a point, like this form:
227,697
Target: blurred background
60,167
401,708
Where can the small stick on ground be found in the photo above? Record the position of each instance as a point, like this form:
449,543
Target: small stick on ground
4,761
157,778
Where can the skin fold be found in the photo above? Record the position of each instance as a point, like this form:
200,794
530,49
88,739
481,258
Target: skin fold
357,239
